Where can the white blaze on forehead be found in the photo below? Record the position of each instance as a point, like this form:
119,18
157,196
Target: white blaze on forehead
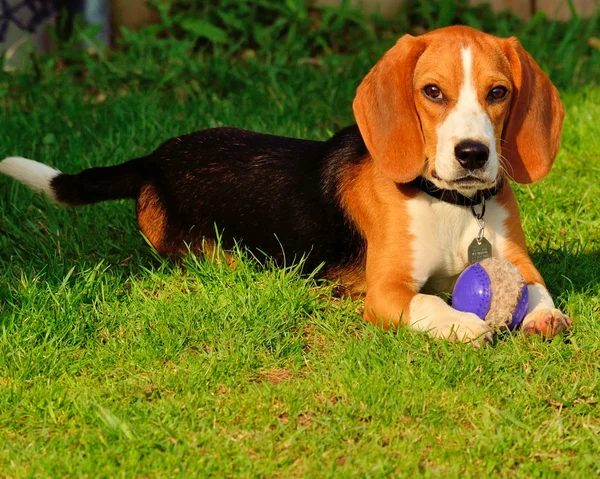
467,121
468,95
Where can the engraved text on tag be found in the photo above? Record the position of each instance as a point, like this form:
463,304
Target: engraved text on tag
478,251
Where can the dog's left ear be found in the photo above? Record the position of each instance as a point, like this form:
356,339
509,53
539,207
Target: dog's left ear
385,111
534,125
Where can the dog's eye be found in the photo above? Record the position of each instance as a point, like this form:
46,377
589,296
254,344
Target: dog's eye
497,93
433,92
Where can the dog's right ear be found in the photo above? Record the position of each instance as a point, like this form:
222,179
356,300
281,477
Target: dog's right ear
385,111
534,127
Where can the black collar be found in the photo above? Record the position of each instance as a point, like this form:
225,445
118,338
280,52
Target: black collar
454,197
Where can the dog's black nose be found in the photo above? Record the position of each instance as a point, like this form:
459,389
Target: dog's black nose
471,155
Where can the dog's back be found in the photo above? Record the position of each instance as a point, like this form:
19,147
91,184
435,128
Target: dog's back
276,196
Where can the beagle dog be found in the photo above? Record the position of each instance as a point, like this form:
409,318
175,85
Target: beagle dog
443,121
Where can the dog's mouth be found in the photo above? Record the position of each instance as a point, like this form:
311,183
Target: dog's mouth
468,183
468,180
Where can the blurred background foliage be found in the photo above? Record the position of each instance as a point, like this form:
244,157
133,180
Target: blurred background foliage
226,43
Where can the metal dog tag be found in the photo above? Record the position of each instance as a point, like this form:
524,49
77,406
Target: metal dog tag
479,250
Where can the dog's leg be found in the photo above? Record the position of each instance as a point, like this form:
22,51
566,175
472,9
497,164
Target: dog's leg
432,314
391,304
542,316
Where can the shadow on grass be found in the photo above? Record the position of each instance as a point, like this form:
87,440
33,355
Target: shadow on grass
569,269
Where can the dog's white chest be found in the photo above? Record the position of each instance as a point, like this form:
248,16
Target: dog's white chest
442,233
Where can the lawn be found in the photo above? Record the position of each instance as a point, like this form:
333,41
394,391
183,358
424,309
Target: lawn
115,363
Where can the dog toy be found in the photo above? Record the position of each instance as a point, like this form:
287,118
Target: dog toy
495,291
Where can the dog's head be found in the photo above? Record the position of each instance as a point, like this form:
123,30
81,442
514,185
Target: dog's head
459,107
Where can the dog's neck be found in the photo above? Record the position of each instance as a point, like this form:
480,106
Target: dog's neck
454,197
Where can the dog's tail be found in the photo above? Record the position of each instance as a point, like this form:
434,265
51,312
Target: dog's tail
90,186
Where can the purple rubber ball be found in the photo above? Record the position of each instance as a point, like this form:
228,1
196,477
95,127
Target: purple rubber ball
495,291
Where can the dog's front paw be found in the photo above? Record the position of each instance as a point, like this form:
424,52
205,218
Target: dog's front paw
433,315
465,327
546,322
468,328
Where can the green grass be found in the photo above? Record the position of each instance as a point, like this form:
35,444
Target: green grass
113,363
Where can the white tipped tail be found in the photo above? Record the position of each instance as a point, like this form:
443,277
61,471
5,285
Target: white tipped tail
32,174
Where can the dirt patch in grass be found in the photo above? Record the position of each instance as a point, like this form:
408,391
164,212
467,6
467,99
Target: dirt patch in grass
277,375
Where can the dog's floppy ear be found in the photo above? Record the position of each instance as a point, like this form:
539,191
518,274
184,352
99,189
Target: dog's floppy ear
532,132
384,108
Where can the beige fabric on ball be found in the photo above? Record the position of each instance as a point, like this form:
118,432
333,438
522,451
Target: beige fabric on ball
507,284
